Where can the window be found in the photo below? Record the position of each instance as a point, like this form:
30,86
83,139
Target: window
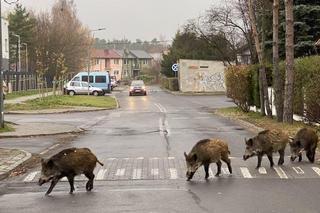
97,61
85,78
76,78
116,72
145,61
125,61
75,84
116,61
6,44
101,79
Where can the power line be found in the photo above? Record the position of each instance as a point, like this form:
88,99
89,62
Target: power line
11,2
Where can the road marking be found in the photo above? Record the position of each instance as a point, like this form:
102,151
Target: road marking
280,172
211,173
136,174
64,179
155,172
160,107
140,158
111,158
101,174
298,170
316,170
155,158
171,158
245,172
225,171
30,176
50,148
199,118
173,173
120,172
262,170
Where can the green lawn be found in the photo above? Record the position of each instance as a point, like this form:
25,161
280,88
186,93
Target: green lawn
64,101
7,128
17,94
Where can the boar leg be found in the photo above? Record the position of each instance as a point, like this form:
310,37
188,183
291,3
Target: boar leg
228,162
89,185
218,168
71,181
310,156
300,157
259,160
271,159
206,170
54,181
281,159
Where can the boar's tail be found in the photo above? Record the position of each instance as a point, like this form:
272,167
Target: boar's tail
99,162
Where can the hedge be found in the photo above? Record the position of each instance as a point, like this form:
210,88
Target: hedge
169,83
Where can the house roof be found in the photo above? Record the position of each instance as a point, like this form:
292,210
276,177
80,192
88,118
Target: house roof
105,53
125,54
141,54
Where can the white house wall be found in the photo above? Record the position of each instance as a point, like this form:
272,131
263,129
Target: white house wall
201,76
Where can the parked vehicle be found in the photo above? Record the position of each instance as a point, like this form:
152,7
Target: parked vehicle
81,87
137,87
100,80
114,82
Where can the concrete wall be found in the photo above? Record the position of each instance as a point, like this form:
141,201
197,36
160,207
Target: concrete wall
201,76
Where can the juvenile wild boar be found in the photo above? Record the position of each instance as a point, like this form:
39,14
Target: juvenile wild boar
69,163
266,142
305,140
205,152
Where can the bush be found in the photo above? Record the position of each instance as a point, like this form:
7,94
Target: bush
238,88
169,83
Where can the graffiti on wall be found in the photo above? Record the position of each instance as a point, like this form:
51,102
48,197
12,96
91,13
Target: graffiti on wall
211,81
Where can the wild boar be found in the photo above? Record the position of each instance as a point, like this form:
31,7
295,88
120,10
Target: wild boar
267,142
69,163
205,152
305,140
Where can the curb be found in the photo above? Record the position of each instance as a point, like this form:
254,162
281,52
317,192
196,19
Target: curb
15,165
193,93
80,130
61,112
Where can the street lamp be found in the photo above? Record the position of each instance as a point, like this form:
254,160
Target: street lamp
26,56
19,63
89,57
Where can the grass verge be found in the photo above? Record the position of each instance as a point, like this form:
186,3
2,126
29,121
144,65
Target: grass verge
7,128
64,101
261,121
17,94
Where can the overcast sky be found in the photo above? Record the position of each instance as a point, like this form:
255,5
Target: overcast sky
132,19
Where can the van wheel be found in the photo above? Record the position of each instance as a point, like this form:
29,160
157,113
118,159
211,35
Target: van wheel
95,93
72,93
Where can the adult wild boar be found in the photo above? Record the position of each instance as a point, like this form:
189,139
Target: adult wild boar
205,152
305,140
69,163
266,142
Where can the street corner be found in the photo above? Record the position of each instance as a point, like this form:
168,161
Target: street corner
10,159
40,129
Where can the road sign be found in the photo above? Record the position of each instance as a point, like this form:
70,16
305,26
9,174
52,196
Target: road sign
175,67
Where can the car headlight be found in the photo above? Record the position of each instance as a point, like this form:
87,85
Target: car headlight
131,88
143,88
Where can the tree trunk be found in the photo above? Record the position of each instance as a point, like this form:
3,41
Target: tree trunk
288,95
263,84
277,81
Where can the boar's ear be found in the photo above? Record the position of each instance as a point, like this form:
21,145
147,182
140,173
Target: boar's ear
249,142
195,157
185,155
298,143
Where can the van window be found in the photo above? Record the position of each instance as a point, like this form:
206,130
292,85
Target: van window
101,79
75,84
85,78
76,78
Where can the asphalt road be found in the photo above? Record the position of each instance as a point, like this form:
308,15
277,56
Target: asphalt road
142,146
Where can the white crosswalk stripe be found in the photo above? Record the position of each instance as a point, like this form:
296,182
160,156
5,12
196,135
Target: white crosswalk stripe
159,168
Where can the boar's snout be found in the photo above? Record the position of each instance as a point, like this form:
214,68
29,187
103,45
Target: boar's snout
41,181
189,175
293,157
245,157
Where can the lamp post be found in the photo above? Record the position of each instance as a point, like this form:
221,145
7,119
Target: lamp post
19,57
89,56
26,56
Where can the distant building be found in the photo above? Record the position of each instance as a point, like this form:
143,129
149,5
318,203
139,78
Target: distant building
244,57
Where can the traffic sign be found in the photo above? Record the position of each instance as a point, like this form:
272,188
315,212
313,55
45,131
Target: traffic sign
175,67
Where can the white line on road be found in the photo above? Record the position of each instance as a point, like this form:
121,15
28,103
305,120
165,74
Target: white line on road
101,174
155,172
140,158
211,173
262,170
298,170
160,107
225,171
120,172
173,173
50,148
280,172
31,176
171,158
245,172
316,170
136,174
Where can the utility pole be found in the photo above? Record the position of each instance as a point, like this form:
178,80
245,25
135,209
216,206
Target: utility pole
19,55
26,56
1,76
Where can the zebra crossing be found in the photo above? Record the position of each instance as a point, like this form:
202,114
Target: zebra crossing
171,168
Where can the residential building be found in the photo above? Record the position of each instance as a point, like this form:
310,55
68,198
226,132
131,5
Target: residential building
107,60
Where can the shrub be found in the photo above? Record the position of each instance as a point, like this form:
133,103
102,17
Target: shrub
238,87
173,84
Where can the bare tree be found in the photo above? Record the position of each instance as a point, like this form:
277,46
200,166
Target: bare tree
276,72
264,98
288,96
